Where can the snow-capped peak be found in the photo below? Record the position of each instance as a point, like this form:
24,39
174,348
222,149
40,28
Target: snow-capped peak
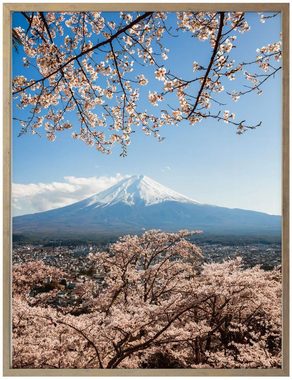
138,189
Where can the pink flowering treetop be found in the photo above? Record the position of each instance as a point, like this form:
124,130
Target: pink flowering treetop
154,303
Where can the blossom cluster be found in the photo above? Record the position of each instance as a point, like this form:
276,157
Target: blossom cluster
90,66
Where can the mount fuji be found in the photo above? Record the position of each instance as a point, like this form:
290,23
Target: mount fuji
139,203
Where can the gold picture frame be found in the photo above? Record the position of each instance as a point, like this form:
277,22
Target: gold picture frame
8,8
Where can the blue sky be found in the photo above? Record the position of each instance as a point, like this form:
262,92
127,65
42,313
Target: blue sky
208,162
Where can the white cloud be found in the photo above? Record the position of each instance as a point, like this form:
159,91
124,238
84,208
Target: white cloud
35,197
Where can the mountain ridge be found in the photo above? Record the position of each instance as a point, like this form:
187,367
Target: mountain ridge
137,203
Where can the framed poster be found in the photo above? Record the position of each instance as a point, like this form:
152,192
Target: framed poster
133,255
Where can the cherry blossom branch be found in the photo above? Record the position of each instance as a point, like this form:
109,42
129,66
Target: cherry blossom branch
90,341
114,58
216,46
116,360
87,51
257,87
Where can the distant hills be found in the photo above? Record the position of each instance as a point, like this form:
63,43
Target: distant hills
139,203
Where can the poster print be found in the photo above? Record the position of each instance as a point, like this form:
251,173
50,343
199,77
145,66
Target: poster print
146,190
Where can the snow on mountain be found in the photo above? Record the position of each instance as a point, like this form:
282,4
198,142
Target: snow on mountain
134,190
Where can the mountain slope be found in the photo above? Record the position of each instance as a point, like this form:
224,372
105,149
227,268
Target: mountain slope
137,203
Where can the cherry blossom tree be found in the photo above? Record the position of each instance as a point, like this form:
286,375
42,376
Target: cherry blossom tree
32,273
95,66
154,304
